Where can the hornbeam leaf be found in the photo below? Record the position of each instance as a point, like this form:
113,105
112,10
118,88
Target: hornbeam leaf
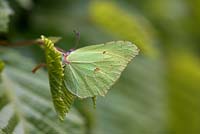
25,101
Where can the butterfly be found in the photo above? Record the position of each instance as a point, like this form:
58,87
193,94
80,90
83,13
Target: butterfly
85,72
92,70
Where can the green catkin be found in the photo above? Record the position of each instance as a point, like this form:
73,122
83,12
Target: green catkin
62,98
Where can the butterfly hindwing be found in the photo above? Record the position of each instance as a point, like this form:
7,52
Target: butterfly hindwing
92,70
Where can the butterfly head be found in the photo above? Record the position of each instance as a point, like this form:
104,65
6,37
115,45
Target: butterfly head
65,54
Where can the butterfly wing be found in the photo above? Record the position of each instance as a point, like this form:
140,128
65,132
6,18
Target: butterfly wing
92,70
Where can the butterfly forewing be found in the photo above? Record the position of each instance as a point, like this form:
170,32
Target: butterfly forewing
92,70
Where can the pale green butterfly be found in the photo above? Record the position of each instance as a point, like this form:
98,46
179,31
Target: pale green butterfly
92,70
85,72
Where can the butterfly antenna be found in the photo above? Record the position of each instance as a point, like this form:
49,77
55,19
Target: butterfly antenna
77,34
61,50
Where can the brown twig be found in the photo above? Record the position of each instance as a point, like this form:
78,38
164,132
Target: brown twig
38,67
21,43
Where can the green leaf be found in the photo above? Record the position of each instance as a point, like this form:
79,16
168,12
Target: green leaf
25,101
26,4
5,12
62,98
54,39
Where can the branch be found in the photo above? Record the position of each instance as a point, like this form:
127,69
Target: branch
21,43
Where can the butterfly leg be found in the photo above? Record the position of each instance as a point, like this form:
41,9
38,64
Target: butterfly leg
94,100
38,67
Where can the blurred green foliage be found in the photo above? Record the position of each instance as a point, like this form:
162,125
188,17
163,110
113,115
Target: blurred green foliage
5,12
112,17
159,92
1,66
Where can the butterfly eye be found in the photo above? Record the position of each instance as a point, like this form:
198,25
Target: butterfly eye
63,57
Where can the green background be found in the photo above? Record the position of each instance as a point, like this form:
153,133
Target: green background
158,93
